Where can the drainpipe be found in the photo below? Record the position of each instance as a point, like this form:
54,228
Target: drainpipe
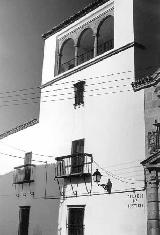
152,201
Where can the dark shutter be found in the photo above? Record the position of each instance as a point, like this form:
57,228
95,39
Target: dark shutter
27,173
23,220
75,221
79,93
77,160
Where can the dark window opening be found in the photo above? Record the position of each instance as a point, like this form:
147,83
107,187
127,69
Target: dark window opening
23,220
67,56
79,93
27,173
85,46
77,161
106,35
75,221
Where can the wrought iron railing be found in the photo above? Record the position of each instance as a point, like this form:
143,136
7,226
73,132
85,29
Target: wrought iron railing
24,174
106,46
75,229
85,56
67,65
72,165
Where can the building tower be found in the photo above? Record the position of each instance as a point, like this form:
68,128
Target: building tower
97,65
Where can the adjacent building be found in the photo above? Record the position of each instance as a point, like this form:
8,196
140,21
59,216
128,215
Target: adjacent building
24,206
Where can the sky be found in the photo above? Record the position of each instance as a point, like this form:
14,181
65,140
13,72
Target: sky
21,53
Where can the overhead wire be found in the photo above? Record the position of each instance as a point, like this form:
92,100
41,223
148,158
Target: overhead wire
117,177
15,156
49,156
100,76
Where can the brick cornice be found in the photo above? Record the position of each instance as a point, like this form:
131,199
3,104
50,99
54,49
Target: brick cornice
75,17
147,81
19,128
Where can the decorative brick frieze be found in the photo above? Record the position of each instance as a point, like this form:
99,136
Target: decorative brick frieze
147,81
19,128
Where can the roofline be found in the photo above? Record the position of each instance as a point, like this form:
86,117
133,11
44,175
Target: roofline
75,17
151,159
19,128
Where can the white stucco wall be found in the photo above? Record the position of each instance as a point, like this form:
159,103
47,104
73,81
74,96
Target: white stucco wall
43,218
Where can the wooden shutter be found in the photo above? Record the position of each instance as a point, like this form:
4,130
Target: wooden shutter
77,161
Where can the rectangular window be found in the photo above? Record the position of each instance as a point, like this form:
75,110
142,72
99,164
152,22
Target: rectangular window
23,220
79,93
75,220
77,160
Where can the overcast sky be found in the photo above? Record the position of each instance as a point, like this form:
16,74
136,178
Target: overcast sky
22,22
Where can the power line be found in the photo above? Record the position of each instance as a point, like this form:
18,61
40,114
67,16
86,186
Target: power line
22,150
14,156
62,99
101,76
61,94
123,180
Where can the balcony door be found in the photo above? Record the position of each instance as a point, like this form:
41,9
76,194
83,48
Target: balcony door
77,160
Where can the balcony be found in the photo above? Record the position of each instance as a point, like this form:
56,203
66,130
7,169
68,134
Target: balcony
24,174
106,46
74,165
67,65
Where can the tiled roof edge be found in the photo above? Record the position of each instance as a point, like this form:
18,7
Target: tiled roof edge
19,128
75,17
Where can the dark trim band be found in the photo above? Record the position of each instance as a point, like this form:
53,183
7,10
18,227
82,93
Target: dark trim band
19,128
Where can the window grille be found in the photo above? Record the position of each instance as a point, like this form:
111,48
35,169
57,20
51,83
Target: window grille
75,224
23,220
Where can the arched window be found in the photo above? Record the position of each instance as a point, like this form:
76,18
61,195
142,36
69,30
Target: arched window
105,35
67,56
85,46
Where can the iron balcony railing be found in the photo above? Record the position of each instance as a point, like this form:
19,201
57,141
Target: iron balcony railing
73,165
106,46
24,174
85,56
67,65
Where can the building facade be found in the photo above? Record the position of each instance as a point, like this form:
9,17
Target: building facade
99,119
23,204
97,66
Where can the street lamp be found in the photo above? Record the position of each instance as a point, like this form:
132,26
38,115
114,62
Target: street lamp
97,176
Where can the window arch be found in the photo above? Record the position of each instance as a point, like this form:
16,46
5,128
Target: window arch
67,56
105,35
85,46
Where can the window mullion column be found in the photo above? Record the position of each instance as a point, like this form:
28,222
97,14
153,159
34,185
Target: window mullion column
95,44
76,55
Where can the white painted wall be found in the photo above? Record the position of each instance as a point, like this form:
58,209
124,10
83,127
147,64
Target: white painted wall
43,212
111,121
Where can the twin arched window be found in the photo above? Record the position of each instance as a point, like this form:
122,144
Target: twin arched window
88,45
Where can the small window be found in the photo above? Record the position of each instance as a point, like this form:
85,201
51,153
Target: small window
79,93
23,220
77,160
75,220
